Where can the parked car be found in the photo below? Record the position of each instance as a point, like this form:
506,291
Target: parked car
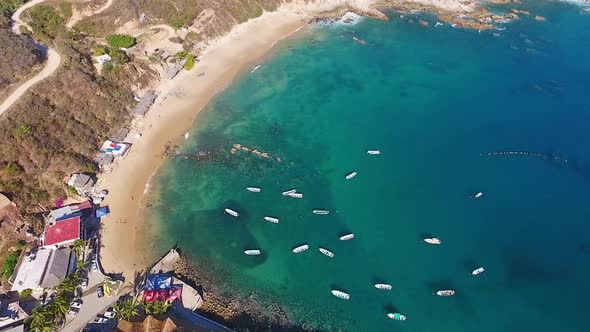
100,320
76,304
94,267
73,311
100,292
110,313
49,299
84,283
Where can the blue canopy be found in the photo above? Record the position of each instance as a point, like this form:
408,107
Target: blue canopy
102,211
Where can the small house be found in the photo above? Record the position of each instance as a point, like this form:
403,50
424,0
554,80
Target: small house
82,183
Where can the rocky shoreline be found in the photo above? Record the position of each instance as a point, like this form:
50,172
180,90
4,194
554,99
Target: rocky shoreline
241,313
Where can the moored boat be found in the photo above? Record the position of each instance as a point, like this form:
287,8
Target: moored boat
232,212
446,292
295,195
341,294
383,286
253,189
272,220
290,191
321,212
433,240
396,316
478,195
252,252
301,248
347,237
477,271
374,152
327,252
350,176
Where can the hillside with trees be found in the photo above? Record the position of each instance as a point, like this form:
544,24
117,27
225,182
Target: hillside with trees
19,56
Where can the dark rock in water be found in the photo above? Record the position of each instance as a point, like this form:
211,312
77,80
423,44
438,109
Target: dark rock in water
200,155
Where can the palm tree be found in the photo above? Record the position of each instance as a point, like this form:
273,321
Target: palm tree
125,309
67,286
161,307
41,320
78,246
59,307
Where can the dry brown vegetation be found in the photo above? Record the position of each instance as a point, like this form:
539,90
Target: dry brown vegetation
19,57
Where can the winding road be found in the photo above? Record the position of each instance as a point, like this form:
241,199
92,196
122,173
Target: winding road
53,60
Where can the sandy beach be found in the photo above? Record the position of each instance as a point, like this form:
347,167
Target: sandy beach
168,120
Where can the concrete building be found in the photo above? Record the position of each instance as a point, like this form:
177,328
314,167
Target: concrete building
44,269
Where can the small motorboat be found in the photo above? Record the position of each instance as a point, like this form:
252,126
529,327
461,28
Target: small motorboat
321,212
383,286
347,237
327,252
373,152
288,192
350,176
477,271
341,294
301,248
396,316
295,195
478,195
446,292
232,212
433,240
272,220
253,189
252,252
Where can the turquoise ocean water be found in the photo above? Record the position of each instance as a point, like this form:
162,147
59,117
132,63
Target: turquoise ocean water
432,100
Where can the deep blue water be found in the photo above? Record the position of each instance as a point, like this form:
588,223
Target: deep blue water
435,101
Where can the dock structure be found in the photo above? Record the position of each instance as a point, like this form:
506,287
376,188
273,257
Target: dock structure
165,264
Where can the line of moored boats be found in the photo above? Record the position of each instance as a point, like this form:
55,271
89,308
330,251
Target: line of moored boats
304,247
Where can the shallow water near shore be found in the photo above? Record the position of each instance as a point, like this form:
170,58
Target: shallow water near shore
435,101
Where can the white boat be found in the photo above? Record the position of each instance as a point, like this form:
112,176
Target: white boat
253,189
252,252
350,176
433,240
232,212
255,68
396,316
272,220
321,212
340,294
478,195
295,195
288,192
347,237
477,271
383,286
446,292
301,248
374,152
327,252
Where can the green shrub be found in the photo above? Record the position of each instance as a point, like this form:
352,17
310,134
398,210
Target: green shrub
118,57
118,41
71,191
189,63
65,8
98,50
12,169
189,58
25,293
20,244
45,21
9,264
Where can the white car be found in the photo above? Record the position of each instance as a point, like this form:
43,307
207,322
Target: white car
100,320
73,311
94,267
110,313
84,283
76,304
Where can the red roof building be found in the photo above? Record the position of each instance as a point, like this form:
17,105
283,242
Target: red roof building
62,233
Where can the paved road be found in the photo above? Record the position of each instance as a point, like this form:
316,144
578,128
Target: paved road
91,306
53,60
